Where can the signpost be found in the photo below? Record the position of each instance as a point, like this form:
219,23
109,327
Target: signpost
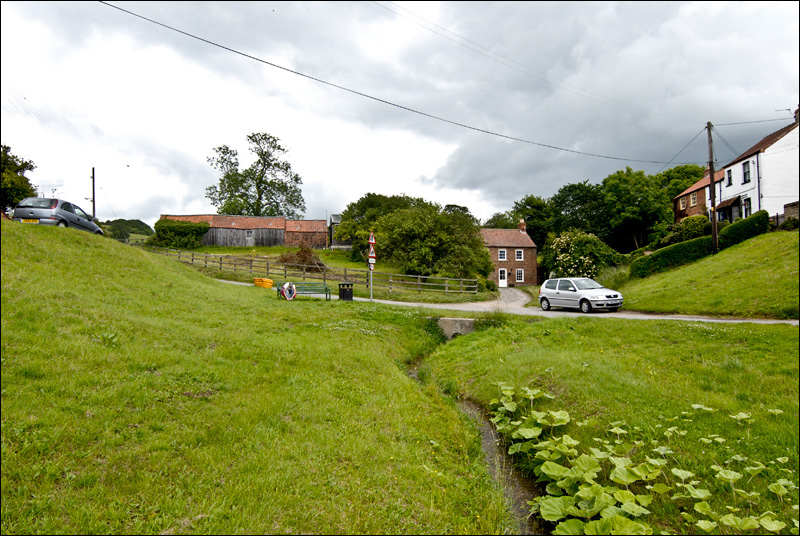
371,259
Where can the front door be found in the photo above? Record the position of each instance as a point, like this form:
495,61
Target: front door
502,277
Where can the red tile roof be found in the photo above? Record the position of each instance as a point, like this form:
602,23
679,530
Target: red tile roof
306,226
764,144
702,183
510,238
232,222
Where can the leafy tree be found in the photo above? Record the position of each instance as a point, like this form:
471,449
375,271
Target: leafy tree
579,206
15,185
178,234
536,212
268,187
122,229
575,253
360,217
675,180
635,204
427,240
502,220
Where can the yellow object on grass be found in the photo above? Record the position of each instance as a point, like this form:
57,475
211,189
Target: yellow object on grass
262,282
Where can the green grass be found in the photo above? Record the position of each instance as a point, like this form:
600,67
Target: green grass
140,396
645,376
757,278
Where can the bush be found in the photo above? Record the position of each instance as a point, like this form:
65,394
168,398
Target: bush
304,256
575,253
672,257
745,229
720,226
789,224
178,234
694,250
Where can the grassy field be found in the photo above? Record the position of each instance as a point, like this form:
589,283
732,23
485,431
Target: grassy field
141,396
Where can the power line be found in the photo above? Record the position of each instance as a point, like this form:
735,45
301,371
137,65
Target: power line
399,106
679,152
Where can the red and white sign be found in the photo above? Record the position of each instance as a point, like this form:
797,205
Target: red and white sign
371,237
371,251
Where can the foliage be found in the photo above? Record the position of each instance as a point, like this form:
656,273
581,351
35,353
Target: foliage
15,185
501,220
427,240
268,187
676,180
578,254
305,256
536,212
707,229
122,229
178,234
686,229
579,206
741,230
789,224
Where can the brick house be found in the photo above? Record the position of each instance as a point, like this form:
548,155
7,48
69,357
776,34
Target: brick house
696,199
247,231
513,255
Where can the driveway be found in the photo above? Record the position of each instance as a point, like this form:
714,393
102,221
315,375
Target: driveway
513,300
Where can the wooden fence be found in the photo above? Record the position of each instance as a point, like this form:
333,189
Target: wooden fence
261,267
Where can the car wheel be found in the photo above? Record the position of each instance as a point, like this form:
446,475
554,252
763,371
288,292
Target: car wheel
62,224
586,307
545,304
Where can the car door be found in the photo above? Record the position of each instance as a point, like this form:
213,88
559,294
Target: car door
68,213
84,221
567,294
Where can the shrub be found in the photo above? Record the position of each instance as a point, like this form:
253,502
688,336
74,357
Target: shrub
692,227
178,234
304,256
789,224
720,226
742,230
579,254
672,257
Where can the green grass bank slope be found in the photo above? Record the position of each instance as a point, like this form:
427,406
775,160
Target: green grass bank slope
139,396
755,279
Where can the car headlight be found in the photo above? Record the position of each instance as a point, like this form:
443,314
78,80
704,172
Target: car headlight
598,297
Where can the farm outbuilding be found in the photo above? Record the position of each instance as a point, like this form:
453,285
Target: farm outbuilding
238,231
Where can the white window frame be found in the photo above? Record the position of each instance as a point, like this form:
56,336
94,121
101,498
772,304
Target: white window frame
520,255
683,203
693,199
501,255
730,178
745,172
520,275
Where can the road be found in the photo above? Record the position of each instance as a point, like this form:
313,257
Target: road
513,300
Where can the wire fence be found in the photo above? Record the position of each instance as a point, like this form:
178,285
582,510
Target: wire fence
262,267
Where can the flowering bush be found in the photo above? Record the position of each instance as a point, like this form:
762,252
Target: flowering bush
575,253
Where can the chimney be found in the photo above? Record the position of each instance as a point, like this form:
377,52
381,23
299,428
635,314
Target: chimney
521,225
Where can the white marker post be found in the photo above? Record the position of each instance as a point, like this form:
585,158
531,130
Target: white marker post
371,260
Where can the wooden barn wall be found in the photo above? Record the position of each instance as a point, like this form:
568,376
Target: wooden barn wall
238,237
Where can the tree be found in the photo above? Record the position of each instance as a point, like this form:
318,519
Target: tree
502,220
575,253
579,206
536,212
675,180
15,185
268,187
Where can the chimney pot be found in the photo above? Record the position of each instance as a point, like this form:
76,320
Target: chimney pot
521,225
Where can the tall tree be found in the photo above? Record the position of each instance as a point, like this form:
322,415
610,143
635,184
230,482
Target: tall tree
502,220
268,187
676,180
579,206
15,186
536,212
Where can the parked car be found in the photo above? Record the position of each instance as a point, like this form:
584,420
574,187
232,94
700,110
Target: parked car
578,293
48,211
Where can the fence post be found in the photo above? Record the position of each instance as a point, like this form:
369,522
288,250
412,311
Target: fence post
445,285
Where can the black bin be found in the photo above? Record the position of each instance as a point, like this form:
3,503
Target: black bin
346,291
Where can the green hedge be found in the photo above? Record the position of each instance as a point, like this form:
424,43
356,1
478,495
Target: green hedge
693,250
178,234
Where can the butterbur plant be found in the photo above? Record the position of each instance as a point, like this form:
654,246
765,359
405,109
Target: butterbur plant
627,482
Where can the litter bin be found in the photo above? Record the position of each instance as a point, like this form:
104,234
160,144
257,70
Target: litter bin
346,291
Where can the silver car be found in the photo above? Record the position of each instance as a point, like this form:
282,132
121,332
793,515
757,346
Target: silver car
578,293
48,211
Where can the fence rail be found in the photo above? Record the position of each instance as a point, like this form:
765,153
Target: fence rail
261,267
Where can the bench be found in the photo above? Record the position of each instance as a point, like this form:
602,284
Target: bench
306,287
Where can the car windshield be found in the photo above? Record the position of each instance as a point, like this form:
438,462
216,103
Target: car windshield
587,284
36,202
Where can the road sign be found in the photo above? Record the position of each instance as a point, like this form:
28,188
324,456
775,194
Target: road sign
371,268
371,251
371,261
371,237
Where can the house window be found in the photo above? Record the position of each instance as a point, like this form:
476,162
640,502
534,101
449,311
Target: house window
747,208
683,203
520,275
501,255
746,172
730,178
694,199
520,255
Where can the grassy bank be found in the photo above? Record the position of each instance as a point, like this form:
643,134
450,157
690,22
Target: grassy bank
712,395
140,396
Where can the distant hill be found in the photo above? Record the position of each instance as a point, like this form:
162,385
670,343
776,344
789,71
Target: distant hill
122,229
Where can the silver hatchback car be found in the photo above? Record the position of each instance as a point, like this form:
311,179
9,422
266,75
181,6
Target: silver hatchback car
48,211
578,293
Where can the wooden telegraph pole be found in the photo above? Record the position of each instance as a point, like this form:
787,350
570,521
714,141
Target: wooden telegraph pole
712,187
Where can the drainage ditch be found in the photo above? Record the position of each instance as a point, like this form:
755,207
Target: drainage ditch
517,489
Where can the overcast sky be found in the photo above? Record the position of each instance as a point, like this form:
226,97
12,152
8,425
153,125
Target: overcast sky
470,103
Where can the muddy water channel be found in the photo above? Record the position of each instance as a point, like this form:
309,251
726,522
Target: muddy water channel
517,489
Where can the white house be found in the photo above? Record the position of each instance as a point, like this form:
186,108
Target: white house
765,177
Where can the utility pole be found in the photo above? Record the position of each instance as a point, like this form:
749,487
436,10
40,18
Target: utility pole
712,187
93,214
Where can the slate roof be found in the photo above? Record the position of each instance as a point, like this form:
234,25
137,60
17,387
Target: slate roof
508,238
764,144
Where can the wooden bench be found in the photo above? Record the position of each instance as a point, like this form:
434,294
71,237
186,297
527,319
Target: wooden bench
306,287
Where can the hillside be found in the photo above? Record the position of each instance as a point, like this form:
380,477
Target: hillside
757,278
140,396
